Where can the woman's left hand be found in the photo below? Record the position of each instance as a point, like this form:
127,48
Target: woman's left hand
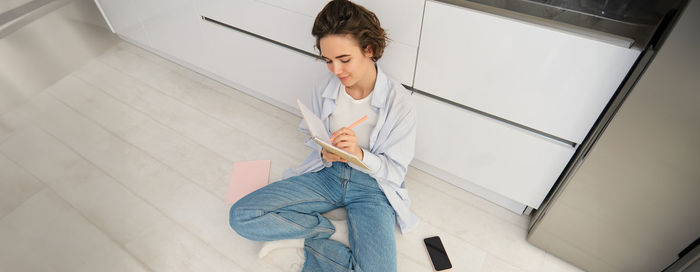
346,140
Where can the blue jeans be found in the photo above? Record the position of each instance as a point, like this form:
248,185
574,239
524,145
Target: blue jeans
291,209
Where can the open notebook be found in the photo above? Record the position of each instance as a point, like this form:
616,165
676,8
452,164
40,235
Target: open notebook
320,135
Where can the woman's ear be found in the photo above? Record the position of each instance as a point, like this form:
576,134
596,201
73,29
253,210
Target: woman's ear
368,52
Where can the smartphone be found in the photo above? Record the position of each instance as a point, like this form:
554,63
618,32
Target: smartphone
438,255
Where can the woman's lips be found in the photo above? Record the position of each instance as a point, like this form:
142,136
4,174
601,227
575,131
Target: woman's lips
344,78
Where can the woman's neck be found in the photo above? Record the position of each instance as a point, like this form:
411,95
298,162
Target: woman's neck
365,86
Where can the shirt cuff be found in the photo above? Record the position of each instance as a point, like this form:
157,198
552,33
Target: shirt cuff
372,161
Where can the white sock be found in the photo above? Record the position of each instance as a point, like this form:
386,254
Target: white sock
272,245
341,232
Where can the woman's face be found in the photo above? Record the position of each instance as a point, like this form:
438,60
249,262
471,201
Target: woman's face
345,59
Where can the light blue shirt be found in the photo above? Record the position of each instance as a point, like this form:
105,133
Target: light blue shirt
391,143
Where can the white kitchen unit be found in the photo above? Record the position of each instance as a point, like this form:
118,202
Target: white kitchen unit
473,151
542,78
529,95
290,23
177,30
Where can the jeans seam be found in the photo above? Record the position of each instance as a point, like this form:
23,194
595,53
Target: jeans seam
320,256
299,202
292,223
345,186
355,251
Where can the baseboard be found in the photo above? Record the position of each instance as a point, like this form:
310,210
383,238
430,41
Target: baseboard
471,187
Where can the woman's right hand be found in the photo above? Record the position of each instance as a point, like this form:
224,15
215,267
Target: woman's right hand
330,157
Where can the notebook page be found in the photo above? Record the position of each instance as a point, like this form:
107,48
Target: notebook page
315,125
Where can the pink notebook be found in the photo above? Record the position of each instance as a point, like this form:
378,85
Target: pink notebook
247,177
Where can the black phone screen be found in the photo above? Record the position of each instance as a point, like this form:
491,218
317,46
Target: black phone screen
437,253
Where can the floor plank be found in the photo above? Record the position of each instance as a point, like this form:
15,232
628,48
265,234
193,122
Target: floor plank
130,221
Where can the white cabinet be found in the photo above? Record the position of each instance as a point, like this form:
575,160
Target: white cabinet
174,28
399,61
273,73
535,77
290,23
125,19
402,21
262,18
501,158
542,78
169,27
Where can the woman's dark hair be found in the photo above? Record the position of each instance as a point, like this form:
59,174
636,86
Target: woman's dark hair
344,17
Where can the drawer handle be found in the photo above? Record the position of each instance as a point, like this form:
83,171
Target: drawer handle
205,18
486,114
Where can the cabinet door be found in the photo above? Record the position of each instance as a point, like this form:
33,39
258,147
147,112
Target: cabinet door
509,161
125,19
271,72
546,79
399,61
403,28
174,28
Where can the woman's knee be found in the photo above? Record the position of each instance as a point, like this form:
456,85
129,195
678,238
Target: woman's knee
233,217
240,216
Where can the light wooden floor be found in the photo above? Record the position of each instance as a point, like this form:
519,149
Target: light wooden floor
123,165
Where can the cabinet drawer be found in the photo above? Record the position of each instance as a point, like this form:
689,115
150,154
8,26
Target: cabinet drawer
258,67
546,79
509,161
265,19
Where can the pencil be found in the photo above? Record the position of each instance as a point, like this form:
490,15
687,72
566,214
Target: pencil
352,126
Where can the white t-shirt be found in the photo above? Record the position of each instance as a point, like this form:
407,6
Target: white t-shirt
348,111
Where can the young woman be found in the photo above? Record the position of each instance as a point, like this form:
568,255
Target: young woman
350,40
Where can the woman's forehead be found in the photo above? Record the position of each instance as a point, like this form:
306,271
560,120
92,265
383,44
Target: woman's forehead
337,45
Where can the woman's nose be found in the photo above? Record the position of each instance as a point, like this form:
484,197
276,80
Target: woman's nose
335,68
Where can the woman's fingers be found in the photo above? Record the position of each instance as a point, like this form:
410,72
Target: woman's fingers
347,131
346,146
342,131
344,138
330,157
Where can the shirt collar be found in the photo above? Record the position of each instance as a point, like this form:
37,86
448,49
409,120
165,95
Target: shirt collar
381,89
